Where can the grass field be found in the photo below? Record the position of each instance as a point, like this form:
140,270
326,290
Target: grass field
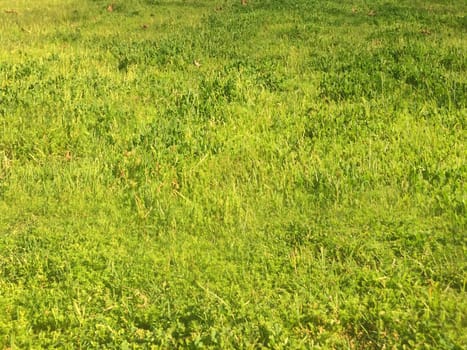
290,174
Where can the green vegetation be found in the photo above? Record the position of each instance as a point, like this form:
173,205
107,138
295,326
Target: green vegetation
202,174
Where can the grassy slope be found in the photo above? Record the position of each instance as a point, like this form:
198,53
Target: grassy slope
305,186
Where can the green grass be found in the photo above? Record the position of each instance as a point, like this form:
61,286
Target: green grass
303,186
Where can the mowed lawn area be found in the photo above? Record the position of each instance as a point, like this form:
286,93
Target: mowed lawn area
202,174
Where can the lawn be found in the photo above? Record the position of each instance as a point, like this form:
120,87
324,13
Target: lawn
288,174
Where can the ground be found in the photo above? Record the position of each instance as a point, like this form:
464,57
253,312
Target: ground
202,174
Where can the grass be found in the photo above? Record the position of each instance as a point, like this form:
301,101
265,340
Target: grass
202,174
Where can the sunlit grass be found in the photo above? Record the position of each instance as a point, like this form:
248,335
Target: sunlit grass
286,174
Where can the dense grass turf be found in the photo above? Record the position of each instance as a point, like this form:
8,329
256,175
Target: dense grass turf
286,174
